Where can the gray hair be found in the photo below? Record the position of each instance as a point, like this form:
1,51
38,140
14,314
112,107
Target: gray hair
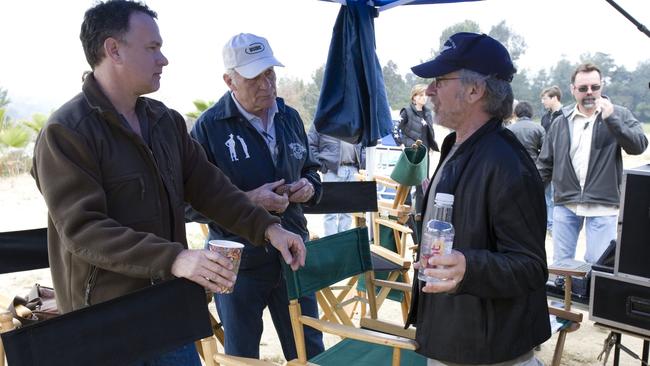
498,93
232,73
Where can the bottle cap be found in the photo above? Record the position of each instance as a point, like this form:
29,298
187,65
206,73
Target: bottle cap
444,198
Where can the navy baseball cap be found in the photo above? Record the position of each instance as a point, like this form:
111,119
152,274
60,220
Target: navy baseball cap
477,52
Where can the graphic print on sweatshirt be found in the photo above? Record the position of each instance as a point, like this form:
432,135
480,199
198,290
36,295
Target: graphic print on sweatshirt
231,144
297,150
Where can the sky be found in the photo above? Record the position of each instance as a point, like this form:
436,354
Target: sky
41,60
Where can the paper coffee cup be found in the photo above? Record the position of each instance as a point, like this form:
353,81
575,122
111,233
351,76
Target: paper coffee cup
231,250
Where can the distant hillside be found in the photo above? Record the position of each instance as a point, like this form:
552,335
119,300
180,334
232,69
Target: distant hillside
25,108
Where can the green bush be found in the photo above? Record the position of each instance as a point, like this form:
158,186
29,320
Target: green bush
15,136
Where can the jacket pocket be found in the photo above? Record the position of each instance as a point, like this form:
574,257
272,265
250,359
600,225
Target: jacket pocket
126,199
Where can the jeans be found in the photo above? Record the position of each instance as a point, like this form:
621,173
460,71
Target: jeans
335,223
184,356
241,314
548,194
600,231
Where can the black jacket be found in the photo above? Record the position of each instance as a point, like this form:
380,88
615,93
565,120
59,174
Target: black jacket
412,129
530,134
549,117
499,310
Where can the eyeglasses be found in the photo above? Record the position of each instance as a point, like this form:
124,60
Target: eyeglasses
584,88
436,81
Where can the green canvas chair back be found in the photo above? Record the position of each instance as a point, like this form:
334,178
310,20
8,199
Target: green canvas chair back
329,260
411,167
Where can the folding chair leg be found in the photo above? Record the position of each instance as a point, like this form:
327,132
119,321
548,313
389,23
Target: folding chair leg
559,348
328,314
218,332
207,348
362,305
396,356
405,310
298,332
406,301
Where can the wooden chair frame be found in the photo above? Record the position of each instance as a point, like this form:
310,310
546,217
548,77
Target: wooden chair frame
565,311
387,212
336,321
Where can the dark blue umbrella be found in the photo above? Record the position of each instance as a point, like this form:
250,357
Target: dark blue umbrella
353,105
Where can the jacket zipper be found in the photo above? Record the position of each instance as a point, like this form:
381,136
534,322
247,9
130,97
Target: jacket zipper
90,284
169,166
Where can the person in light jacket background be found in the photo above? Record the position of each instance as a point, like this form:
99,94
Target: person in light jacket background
416,123
339,162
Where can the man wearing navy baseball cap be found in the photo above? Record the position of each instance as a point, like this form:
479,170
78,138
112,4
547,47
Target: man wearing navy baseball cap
484,302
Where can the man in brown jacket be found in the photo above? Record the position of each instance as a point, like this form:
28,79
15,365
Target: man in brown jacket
116,169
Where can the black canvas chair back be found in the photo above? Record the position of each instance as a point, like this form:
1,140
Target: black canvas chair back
121,331
346,197
23,250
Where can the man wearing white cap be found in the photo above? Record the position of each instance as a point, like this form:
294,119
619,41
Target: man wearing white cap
261,145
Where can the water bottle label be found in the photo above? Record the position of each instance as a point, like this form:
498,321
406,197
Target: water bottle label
434,243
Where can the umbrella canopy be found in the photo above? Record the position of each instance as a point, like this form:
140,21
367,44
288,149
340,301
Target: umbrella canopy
353,105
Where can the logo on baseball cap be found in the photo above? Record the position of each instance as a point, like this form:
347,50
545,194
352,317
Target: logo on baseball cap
477,52
249,55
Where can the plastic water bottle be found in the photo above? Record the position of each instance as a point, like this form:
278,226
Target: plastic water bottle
438,235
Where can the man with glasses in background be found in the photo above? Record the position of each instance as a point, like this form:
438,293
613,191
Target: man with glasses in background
581,156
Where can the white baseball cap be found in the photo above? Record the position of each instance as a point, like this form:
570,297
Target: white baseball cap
249,55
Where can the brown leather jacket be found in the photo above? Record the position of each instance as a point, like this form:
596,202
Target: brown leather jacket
116,205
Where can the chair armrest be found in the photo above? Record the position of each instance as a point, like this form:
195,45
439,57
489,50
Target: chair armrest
394,225
399,286
386,327
386,181
565,314
360,334
239,361
566,272
391,256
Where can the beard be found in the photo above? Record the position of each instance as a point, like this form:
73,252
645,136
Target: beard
452,114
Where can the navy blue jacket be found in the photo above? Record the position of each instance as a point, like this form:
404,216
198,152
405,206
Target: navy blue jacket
254,165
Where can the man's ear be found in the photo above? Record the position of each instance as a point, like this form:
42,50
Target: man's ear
112,49
475,92
229,81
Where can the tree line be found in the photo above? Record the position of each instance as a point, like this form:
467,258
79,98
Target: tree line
624,87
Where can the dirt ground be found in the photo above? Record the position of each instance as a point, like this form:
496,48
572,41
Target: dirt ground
21,207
